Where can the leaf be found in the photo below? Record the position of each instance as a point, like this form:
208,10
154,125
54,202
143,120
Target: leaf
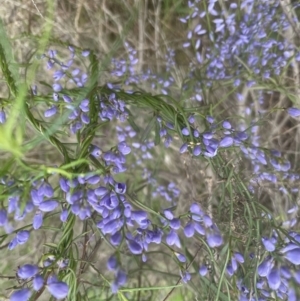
157,133
148,129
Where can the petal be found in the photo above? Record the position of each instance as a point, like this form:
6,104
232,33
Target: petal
22,236
181,257
112,263
264,268
2,117
183,148
269,246
239,257
189,230
294,112
134,247
20,295
214,240
37,221
27,271
3,217
120,188
121,278
59,289
116,238
123,148
274,279
200,229
175,223
38,282
293,256
172,238
203,270
197,150
226,142
48,206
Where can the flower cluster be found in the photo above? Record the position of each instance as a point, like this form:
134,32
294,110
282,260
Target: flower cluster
30,273
235,44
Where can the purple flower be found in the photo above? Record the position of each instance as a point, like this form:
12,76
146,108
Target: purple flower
210,119
226,125
120,280
181,257
293,256
45,190
48,206
120,188
195,208
27,271
183,148
13,244
173,239
93,180
185,276
168,214
226,142
214,240
85,53
230,270
64,185
50,64
38,282
64,215
189,230
207,221
239,257
139,216
67,98
274,279
57,87
3,217
292,296
191,119
2,117
50,112
199,228
203,270
59,74
134,247
185,131
85,118
124,148
264,268
197,150
268,244
55,96
101,191
234,264
208,135
20,295
289,247
84,105
175,223
37,220
285,272
58,289
22,237
112,263
294,112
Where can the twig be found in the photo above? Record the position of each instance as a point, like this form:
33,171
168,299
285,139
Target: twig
37,9
178,281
